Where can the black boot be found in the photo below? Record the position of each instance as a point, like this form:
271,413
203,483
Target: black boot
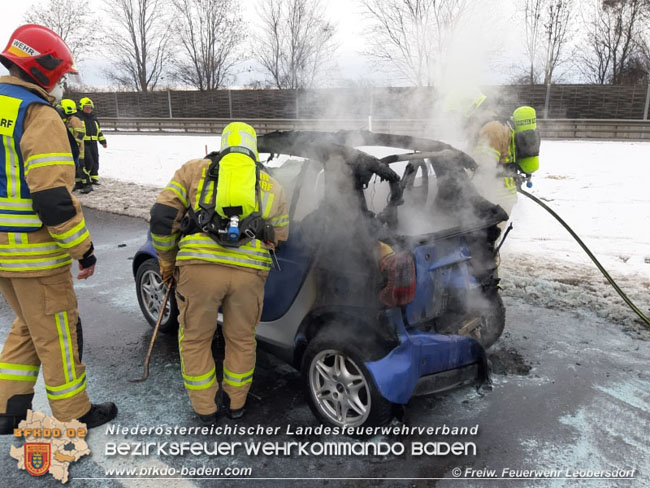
99,414
210,419
87,188
17,407
235,414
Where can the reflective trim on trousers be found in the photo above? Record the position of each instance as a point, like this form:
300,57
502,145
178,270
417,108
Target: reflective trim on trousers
237,379
18,372
65,342
201,382
67,390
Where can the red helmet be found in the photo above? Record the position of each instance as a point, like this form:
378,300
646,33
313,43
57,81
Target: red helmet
39,52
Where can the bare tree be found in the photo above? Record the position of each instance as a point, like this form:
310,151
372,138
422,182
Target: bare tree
209,32
615,44
412,36
138,38
532,10
547,24
295,42
75,25
556,25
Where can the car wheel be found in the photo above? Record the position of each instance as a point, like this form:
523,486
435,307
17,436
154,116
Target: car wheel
339,388
151,293
493,318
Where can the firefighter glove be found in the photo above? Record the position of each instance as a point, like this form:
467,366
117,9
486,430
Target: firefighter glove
167,271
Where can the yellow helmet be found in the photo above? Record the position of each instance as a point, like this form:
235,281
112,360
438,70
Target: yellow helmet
68,106
86,101
240,135
464,103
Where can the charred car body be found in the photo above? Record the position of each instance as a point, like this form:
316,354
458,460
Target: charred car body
368,336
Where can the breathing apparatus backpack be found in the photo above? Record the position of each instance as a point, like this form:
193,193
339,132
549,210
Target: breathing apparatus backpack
525,139
229,207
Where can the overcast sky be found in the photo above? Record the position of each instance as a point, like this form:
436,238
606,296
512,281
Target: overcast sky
486,55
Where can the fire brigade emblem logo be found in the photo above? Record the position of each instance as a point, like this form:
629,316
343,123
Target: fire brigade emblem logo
37,458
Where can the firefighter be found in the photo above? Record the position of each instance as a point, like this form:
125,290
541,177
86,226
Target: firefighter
218,221
42,230
78,132
507,150
93,135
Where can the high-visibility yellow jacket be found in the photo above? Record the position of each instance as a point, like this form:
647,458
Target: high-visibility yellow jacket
78,131
183,191
43,225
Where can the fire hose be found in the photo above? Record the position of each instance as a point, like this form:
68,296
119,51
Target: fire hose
589,253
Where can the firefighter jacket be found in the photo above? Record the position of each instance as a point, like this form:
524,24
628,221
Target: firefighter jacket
92,130
495,149
78,131
183,191
42,227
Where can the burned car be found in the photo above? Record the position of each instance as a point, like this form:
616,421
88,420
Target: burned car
387,287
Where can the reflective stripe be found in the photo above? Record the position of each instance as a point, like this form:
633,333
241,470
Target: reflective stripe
11,168
72,237
164,243
20,220
267,203
280,221
5,250
179,190
18,372
66,346
181,336
210,192
199,190
223,258
67,390
201,382
16,204
263,253
41,160
237,379
35,264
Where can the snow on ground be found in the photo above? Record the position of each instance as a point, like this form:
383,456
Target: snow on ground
599,188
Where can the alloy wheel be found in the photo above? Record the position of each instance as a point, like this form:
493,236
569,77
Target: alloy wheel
152,292
340,389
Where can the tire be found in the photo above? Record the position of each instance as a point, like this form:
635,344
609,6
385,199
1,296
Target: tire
493,318
151,292
328,361
487,308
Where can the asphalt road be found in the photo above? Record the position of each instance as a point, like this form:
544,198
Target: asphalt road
571,392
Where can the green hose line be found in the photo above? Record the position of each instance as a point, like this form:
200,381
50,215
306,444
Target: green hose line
593,258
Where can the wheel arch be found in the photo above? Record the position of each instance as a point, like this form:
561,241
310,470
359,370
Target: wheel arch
370,331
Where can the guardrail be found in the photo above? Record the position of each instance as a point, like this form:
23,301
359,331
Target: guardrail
550,128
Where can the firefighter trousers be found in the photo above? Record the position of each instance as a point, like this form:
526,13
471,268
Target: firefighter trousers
201,290
44,333
92,165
